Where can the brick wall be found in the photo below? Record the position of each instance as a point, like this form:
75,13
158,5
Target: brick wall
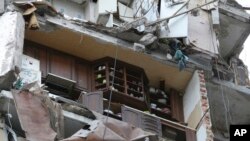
206,121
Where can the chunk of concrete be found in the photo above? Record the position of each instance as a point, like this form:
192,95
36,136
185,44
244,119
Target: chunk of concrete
11,45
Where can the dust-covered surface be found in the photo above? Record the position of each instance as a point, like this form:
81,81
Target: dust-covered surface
78,110
11,46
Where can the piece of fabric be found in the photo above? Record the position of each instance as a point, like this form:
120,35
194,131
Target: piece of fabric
181,58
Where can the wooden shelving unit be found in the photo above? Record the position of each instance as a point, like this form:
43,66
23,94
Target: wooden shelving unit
127,82
161,100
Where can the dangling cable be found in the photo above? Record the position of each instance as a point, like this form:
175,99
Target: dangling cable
111,91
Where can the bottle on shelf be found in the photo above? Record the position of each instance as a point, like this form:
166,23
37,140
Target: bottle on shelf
99,76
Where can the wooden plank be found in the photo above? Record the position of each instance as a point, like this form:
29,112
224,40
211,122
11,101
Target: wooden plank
190,135
81,75
176,106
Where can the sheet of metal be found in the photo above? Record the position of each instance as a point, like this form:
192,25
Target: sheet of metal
178,26
34,116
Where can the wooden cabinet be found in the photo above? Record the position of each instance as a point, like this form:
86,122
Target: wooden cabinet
124,81
61,65
167,105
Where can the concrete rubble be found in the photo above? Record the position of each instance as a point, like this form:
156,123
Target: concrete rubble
49,116
11,47
187,34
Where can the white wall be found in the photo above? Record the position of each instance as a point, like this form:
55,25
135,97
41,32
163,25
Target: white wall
201,134
179,25
191,96
69,8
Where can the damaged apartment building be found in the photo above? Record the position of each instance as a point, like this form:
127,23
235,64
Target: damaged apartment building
122,70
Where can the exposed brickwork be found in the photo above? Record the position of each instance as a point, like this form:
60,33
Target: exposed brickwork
205,105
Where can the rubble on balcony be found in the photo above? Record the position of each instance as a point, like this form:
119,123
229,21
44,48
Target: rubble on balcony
152,27
141,22
56,122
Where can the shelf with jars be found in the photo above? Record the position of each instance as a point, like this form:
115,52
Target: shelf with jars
127,82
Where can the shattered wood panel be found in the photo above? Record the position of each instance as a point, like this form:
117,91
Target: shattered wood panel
34,116
200,23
